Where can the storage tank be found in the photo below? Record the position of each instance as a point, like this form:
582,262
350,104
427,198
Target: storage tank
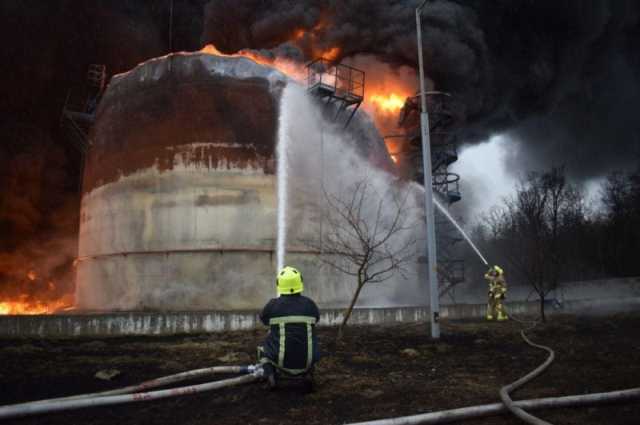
179,191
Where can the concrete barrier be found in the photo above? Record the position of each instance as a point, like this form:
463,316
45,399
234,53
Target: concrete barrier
169,323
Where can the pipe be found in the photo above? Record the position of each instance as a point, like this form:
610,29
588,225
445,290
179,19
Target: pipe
454,415
26,409
434,302
153,383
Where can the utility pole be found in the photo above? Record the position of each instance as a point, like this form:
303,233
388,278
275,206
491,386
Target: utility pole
428,189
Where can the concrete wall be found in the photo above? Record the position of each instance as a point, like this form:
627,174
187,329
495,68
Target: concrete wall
167,323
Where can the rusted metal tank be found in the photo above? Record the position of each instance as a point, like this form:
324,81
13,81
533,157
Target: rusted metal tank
179,192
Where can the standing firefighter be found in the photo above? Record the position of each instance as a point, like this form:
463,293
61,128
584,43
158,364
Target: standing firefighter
291,348
497,291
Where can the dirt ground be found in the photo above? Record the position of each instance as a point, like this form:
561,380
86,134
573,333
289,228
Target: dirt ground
376,372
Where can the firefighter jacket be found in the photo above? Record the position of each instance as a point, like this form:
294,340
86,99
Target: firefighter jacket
292,343
497,286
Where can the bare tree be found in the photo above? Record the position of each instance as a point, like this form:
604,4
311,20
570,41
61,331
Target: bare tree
530,229
367,235
621,223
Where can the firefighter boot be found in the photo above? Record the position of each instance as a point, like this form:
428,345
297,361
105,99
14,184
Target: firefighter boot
489,312
501,314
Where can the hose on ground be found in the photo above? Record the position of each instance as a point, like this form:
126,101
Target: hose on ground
484,410
92,400
507,389
158,382
508,405
504,391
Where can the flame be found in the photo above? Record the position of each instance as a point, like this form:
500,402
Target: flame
210,49
393,148
385,94
330,54
23,305
390,103
35,295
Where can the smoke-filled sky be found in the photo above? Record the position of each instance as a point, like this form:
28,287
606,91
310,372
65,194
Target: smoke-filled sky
562,77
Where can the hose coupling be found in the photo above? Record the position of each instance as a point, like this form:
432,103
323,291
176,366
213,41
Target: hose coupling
256,370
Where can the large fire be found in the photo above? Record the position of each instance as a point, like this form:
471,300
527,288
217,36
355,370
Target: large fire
391,102
35,296
23,305
384,94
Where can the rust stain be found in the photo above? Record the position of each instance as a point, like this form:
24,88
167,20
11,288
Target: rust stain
240,198
186,117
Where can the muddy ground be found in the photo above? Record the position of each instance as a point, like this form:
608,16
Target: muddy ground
375,372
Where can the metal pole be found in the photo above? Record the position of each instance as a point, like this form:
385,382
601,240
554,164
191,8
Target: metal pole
428,190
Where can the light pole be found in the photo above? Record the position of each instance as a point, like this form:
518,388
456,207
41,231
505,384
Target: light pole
428,189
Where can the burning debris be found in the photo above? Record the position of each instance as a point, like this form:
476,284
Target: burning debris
35,295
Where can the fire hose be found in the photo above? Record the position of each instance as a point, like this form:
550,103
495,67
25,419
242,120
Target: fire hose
134,393
507,389
484,410
508,405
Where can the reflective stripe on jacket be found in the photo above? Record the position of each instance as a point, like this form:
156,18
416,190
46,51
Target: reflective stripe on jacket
292,342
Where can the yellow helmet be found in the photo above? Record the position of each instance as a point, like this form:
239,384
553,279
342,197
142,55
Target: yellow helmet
498,270
289,281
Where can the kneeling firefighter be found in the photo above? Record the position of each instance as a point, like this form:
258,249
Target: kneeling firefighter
497,292
291,347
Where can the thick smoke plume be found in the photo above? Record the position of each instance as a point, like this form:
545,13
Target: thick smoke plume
47,47
563,77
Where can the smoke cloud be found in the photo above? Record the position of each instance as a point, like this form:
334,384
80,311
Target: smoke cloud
47,47
562,77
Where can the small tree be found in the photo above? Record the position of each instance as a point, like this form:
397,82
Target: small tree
367,236
529,230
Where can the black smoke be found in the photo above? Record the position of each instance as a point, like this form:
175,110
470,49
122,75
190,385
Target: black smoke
562,77
46,49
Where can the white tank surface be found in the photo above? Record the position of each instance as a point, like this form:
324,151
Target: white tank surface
179,192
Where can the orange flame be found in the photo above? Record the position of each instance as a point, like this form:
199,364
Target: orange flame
383,100
36,296
391,103
23,305
330,54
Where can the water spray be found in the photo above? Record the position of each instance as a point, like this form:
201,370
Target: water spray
444,211
283,177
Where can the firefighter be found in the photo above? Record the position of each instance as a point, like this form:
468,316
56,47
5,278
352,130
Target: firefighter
291,346
497,292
